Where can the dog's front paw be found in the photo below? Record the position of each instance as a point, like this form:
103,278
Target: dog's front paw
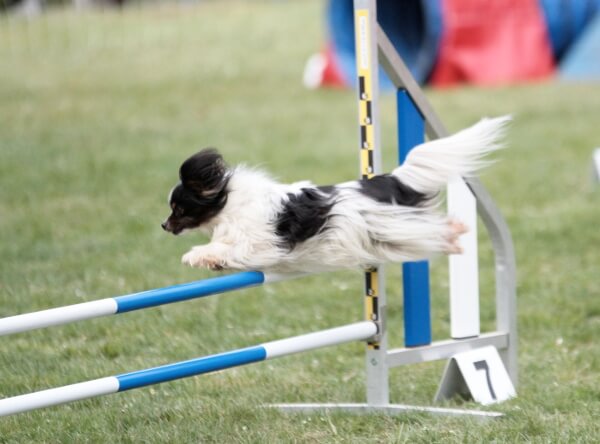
200,259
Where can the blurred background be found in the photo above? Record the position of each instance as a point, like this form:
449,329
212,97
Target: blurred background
100,102
444,42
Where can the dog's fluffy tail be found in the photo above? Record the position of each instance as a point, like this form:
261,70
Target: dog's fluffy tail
429,166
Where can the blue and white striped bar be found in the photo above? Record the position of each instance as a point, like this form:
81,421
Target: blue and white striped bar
135,301
127,381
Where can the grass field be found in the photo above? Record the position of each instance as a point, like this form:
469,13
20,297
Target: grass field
96,113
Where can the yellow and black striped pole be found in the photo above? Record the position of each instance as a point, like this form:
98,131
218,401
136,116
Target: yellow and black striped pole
372,303
367,139
370,164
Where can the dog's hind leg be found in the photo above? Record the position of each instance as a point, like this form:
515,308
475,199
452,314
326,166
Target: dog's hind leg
415,237
457,229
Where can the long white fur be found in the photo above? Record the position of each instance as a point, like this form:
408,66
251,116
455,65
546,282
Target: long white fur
360,232
429,166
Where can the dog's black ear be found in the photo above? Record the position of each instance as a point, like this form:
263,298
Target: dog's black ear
205,172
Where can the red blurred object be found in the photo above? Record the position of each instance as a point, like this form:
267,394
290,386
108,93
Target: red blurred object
491,42
322,70
332,75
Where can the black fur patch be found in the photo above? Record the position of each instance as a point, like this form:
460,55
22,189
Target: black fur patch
205,172
202,193
304,215
190,210
389,189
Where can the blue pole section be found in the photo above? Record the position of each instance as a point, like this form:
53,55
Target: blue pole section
112,384
135,301
198,366
415,275
183,292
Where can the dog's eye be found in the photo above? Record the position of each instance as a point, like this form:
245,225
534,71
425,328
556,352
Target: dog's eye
178,211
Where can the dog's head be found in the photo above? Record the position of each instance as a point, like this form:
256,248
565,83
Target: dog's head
201,194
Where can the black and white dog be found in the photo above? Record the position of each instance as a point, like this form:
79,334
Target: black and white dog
256,223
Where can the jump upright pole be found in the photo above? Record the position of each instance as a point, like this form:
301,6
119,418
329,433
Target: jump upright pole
415,275
135,301
128,381
367,82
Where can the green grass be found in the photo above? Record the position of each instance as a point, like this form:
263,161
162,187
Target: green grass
96,113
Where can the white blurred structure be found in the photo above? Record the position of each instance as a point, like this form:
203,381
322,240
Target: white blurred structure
28,8
596,164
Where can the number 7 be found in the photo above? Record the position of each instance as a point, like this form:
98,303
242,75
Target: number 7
483,365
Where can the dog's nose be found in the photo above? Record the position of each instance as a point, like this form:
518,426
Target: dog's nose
164,226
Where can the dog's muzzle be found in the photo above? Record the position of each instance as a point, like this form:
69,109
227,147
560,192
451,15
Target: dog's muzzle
168,227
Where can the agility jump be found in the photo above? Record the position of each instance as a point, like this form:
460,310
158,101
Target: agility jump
372,43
